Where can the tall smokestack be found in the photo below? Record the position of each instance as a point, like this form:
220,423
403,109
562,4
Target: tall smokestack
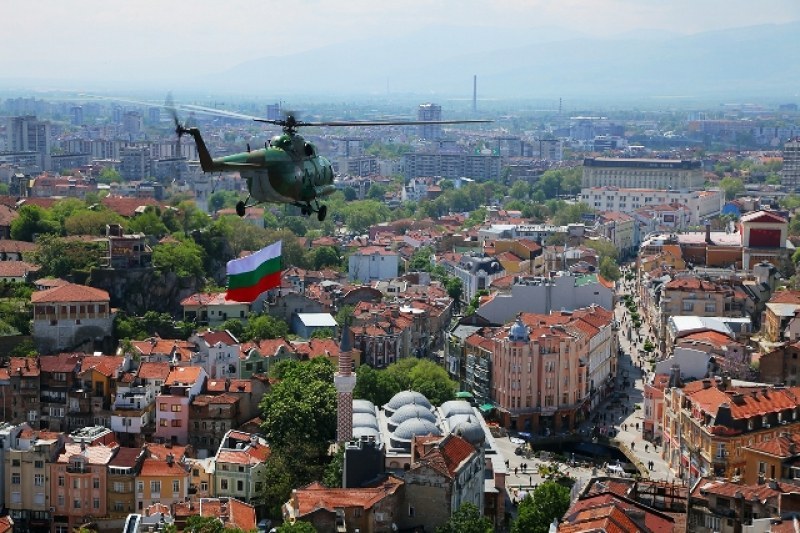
475,93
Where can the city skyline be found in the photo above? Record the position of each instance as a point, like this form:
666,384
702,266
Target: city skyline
149,44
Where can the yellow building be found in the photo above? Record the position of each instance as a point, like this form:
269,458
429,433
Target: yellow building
164,476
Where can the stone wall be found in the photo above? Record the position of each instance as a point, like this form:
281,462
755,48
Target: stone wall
139,290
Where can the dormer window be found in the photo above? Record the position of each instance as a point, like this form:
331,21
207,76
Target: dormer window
764,421
750,424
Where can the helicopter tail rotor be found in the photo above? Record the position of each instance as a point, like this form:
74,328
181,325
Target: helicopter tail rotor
180,129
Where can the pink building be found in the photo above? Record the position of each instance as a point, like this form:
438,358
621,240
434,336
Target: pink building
172,409
652,425
539,375
78,484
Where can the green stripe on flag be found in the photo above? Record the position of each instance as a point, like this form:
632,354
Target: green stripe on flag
247,279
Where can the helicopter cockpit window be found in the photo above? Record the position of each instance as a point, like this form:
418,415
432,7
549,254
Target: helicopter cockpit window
309,149
282,142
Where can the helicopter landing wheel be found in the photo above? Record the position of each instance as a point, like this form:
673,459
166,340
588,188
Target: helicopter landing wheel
239,208
322,213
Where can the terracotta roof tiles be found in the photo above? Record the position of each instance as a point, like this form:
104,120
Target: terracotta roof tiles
70,293
316,496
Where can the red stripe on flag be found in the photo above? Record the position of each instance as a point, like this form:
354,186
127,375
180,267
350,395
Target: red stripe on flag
248,294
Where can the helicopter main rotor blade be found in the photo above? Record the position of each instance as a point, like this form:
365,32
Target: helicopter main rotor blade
376,122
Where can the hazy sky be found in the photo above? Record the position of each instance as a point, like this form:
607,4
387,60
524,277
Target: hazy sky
57,38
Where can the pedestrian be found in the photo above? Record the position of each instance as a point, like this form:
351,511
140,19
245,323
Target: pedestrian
637,426
633,445
530,481
515,470
646,447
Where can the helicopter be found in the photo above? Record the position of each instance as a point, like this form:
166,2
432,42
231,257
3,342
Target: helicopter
288,169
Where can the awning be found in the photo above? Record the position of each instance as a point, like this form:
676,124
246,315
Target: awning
486,407
464,394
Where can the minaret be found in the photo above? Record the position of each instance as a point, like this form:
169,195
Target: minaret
345,381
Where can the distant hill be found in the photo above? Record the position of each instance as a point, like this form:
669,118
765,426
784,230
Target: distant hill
544,62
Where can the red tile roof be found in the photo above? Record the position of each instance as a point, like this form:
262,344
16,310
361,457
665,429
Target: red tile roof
95,455
753,401
251,455
183,375
230,385
154,371
64,362
126,206
316,496
24,366
213,337
160,467
126,457
785,446
70,293
232,512
106,365
16,269
785,297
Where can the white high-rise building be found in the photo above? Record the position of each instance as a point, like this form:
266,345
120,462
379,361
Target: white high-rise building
28,134
790,174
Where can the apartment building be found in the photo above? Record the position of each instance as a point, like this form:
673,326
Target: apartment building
708,424
240,461
79,484
665,174
700,205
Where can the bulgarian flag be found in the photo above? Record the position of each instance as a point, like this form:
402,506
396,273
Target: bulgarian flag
250,276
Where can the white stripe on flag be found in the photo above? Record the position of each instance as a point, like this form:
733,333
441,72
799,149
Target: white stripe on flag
253,261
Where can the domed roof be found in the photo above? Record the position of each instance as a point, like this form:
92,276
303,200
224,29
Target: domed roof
411,410
471,431
415,427
359,432
456,407
363,406
518,332
365,420
407,397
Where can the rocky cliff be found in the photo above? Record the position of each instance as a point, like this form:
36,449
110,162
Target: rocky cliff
139,290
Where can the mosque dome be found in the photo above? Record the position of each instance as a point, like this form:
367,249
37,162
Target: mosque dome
456,407
406,397
363,406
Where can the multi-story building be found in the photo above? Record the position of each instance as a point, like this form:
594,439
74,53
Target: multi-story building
135,162
619,229
790,171
476,273
79,484
707,425
122,472
217,353
430,113
773,460
70,315
59,377
719,505
163,478
372,263
539,376
665,174
211,417
445,473
172,414
24,376
27,466
701,204
27,134
483,166
133,415
239,464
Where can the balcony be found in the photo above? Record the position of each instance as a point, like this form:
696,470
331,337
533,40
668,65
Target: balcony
78,469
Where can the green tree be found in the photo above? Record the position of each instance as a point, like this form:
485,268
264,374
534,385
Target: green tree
149,223
603,247
350,194
235,327
377,386
609,269
265,327
421,260
33,220
731,187
222,200
333,472
60,257
424,376
325,256
455,289
466,519
109,175
90,222
344,314
296,527
548,501
520,190
184,258
301,407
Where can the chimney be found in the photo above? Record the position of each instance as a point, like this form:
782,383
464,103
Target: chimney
706,383
170,459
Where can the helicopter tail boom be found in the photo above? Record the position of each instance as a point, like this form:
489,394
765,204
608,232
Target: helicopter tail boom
206,162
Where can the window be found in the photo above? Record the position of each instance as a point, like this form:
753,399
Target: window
118,486
162,407
162,422
38,480
60,481
176,486
15,478
204,486
76,503
76,483
176,423
223,484
240,486
119,506
140,486
155,487
711,307
61,500
410,511
176,408
15,462
38,464
688,305
96,503
95,482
